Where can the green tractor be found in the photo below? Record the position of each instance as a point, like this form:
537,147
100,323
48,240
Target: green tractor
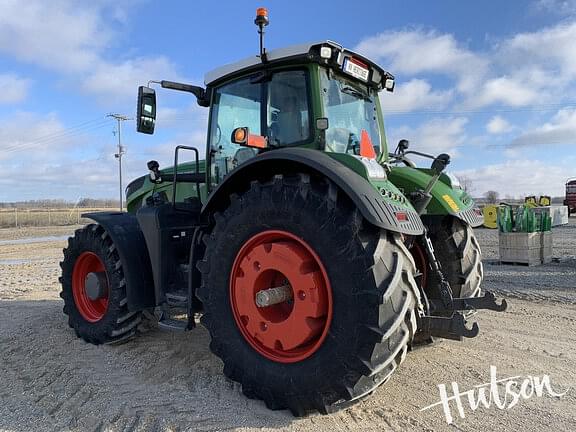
314,257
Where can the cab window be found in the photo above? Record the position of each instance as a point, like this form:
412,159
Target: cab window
235,105
277,108
351,110
288,115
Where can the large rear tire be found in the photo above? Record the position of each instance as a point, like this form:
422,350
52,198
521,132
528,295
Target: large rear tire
459,253
94,288
351,317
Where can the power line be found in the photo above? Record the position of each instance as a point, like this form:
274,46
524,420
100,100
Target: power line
119,118
79,129
27,146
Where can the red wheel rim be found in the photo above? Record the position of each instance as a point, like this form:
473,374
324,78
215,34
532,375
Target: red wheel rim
91,310
291,330
421,263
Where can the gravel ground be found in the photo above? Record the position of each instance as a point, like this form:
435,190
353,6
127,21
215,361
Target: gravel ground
50,380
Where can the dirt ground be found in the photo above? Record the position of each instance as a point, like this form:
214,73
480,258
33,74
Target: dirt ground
50,380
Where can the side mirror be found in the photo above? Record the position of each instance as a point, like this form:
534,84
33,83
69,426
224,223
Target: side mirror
146,114
403,145
440,163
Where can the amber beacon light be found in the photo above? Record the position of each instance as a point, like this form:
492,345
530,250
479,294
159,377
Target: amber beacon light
261,17
262,21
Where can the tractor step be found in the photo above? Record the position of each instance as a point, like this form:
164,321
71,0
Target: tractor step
173,324
177,299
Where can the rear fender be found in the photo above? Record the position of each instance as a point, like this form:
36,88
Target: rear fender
125,232
376,209
446,200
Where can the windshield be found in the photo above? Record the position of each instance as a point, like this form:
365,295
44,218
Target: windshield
351,110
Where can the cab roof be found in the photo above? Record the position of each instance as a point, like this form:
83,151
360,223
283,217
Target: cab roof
293,52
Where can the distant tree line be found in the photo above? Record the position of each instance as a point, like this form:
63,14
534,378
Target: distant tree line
60,203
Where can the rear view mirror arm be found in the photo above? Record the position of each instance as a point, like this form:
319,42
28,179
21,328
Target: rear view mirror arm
202,96
197,91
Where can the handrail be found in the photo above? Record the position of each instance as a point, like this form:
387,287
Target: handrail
175,182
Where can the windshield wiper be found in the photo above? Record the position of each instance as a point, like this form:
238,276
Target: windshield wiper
352,91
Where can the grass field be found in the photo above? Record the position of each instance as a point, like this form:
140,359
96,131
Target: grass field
15,217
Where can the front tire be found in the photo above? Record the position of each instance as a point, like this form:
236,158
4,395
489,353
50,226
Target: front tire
459,253
94,288
364,316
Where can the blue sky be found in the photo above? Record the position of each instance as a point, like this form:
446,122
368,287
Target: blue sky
492,83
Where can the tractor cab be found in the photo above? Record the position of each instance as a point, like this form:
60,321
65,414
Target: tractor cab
318,96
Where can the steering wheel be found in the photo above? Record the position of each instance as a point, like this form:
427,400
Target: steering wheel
242,155
337,139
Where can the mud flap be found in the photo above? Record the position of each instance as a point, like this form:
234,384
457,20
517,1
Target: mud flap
127,237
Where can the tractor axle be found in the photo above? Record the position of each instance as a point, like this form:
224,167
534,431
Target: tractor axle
272,296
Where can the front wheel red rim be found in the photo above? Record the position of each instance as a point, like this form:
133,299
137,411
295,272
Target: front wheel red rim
92,310
293,329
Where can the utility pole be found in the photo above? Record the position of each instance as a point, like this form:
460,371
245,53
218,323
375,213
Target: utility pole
119,118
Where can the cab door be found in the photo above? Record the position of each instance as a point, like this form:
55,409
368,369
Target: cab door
276,107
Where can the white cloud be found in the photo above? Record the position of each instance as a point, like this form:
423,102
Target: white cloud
120,81
519,178
61,34
521,70
74,39
193,116
552,49
561,8
434,136
417,51
41,157
498,125
506,91
96,177
24,134
13,89
561,129
71,177
413,95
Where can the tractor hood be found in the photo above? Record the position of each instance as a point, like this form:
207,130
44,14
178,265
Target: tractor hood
446,199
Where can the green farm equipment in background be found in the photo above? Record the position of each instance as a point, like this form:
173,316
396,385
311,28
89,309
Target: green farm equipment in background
524,218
